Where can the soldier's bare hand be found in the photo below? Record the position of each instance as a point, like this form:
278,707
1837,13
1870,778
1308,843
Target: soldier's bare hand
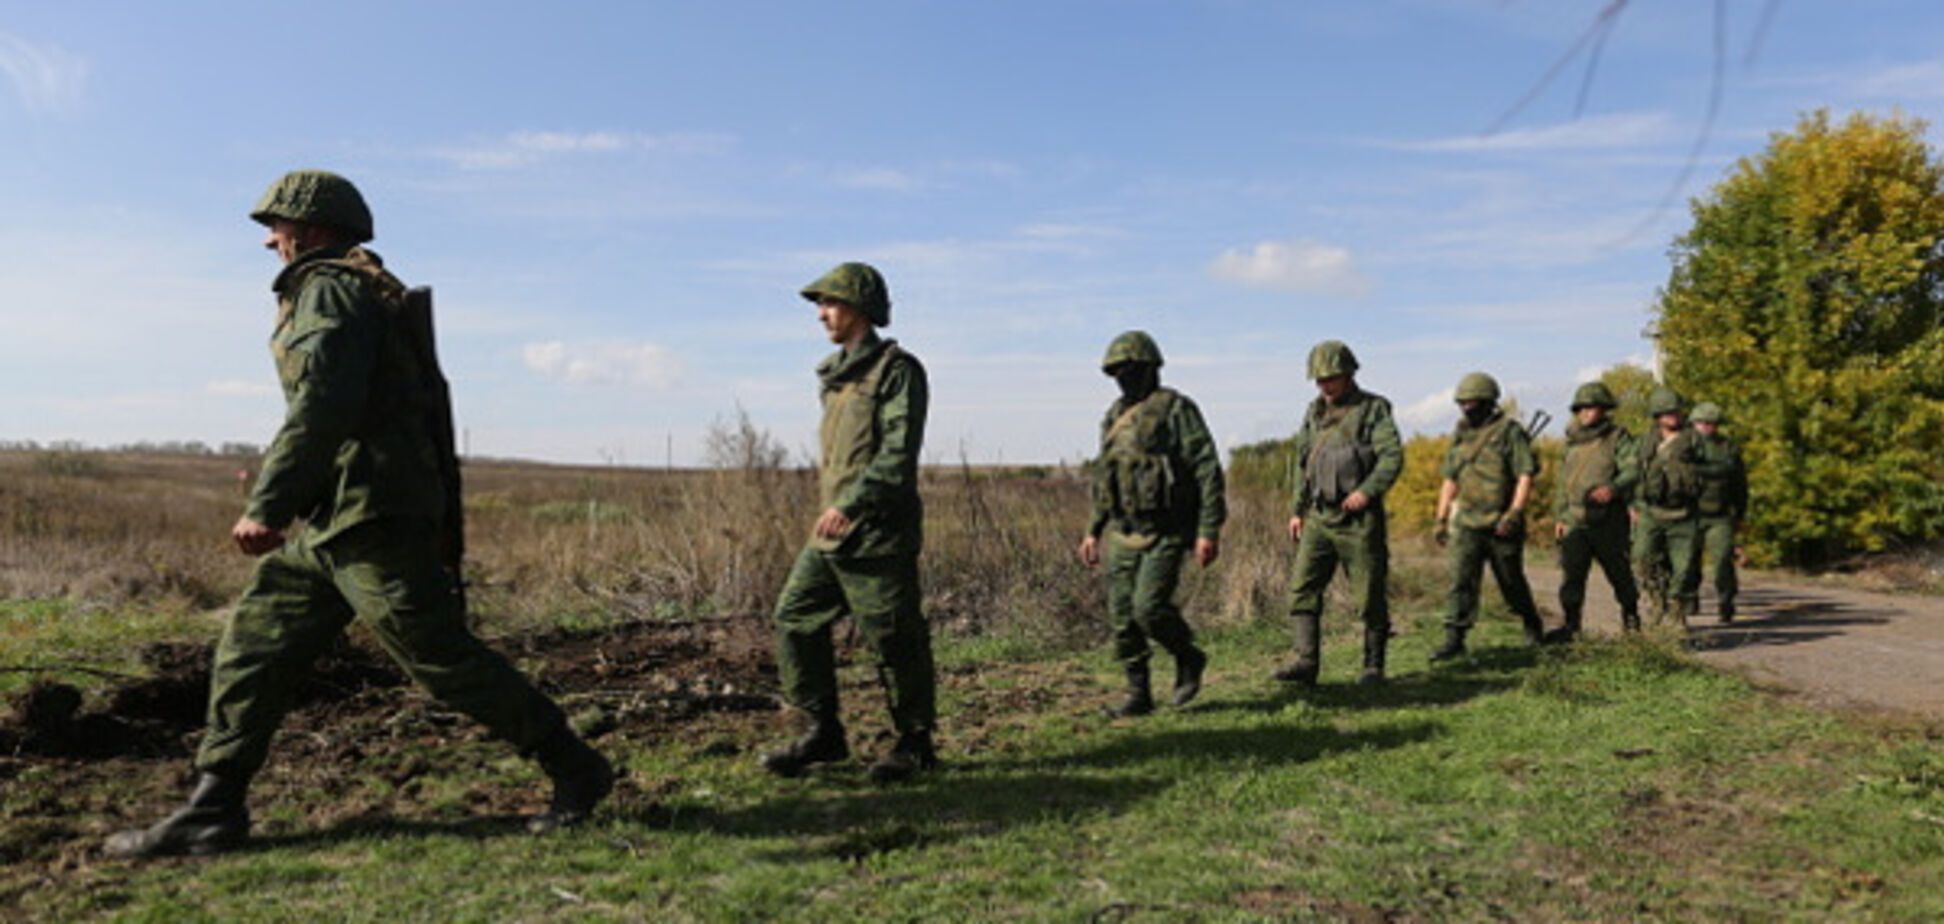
1633,517
253,538
1356,502
1601,494
1207,550
1295,529
1090,552
832,525
1559,530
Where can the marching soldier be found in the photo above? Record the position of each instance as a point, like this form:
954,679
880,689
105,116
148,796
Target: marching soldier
1596,477
1722,504
1488,476
1666,521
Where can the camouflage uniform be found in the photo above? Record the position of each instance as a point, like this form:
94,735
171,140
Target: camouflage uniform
1722,504
1666,532
1157,488
1485,463
1601,455
364,459
875,399
1345,446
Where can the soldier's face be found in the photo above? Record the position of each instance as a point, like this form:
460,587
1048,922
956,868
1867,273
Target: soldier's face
1706,427
286,238
1590,415
841,321
1669,422
1334,387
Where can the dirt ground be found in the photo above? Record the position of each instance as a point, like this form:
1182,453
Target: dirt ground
1835,645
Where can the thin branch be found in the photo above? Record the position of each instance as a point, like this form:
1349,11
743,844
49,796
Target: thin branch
1601,24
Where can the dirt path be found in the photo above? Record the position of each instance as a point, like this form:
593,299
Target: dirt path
1833,644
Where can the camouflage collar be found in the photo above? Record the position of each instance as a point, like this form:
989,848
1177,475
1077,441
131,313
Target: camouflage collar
845,364
302,264
1576,434
1466,427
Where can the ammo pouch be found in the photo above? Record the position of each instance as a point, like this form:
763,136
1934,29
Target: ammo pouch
1338,463
1141,485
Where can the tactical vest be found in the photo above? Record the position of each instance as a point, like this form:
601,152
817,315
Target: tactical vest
1588,465
1485,479
1669,483
1340,457
1715,491
1141,486
849,435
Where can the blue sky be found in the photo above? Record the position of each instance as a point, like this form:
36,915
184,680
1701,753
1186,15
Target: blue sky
616,202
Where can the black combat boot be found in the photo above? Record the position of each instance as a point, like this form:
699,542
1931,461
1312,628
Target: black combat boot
1188,675
581,779
912,754
1309,651
1140,696
1683,610
215,820
1376,642
1454,645
1726,612
1567,631
1630,620
823,744
1535,629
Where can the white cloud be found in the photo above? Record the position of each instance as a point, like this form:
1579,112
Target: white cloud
1592,373
47,78
527,148
1299,265
237,388
1923,80
1619,130
883,179
1429,411
607,362
1054,231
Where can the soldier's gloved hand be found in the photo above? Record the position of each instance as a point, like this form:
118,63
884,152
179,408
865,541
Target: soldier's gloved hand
1090,552
1442,534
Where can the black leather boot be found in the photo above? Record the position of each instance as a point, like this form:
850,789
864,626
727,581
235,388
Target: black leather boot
1376,643
1567,631
1188,675
215,820
912,754
1454,645
1309,654
1140,696
581,779
823,744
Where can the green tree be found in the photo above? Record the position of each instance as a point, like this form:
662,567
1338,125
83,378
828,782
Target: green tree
1631,386
1804,301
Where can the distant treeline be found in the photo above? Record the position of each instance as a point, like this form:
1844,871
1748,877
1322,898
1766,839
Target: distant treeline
162,447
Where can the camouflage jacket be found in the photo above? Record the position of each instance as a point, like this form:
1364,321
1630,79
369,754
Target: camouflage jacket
1349,446
1159,472
1487,461
1603,454
353,446
1724,479
875,399
1670,478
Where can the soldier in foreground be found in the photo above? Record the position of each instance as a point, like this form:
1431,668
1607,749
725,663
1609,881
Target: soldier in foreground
1157,494
1596,477
862,556
1722,504
1488,474
365,458
1346,456
1666,523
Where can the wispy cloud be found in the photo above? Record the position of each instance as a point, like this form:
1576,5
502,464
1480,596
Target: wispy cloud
527,148
1592,373
883,179
1429,411
1299,265
46,78
610,362
1619,130
1921,80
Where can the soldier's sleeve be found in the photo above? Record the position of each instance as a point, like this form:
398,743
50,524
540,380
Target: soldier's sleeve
1102,504
336,335
1738,483
1626,463
1198,449
892,475
1524,460
1299,447
1390,451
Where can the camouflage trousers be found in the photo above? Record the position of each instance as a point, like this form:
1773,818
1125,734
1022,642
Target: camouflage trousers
1606,543
882,595
1718,559
1359,544
1471,550
1141,586
302,598
1667,558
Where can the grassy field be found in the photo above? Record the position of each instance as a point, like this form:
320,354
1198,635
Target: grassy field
1613,781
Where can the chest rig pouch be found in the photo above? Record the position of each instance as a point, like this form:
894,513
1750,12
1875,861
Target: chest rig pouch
849,435
1141,482
1339,460
1484,475
1588,465
1668,479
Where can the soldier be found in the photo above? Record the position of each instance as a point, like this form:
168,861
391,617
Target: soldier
1346,456
365,457
862,556
1666,523
1596,478
1157,493
1723,503
1481,511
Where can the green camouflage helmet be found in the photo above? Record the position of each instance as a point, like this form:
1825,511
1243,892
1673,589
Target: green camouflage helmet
1706,412
1663,401
316,197
1330,359
1594,394
1135,346
857,285
1477,386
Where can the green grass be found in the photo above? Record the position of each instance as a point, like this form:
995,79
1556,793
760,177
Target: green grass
89,647
1615,781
